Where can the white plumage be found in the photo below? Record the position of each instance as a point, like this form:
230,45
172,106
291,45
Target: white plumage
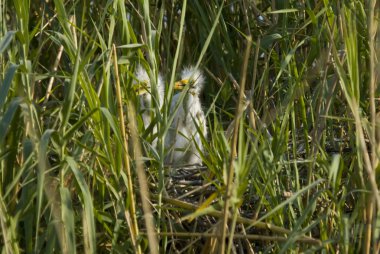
183,137
144,89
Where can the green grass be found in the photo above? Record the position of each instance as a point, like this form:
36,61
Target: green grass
290,163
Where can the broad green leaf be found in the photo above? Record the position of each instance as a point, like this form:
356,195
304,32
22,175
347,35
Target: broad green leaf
6,40
5,121
6,84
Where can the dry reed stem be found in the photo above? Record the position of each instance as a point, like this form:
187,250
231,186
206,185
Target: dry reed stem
132,209
239,219
372,29
237,236
52,78
144,189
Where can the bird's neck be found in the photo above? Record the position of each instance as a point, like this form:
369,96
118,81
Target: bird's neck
190,99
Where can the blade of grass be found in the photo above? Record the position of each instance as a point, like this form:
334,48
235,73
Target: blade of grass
230,173
68,219
89,223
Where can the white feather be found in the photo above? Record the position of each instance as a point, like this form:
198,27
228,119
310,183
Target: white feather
183,137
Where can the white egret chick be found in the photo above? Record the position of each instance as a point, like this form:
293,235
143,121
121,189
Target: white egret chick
142,84
183,137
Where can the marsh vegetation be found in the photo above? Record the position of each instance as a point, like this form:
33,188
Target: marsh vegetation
290,98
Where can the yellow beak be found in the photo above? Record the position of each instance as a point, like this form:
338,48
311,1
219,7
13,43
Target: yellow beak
181,84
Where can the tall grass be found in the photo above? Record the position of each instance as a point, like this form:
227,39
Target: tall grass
290,162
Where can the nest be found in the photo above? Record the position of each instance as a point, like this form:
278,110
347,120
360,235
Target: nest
192,215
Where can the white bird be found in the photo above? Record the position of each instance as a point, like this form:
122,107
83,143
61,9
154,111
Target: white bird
183,137
142,84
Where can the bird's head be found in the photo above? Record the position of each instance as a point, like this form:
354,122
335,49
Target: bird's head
142,85
192,77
